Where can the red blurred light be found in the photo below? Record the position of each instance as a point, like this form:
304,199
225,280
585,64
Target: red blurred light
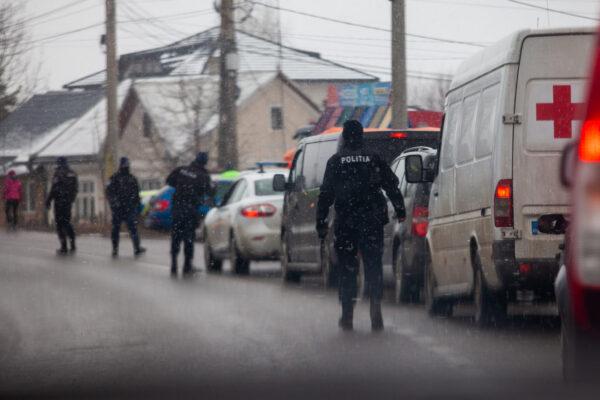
503,190
589,145
420,224
398,135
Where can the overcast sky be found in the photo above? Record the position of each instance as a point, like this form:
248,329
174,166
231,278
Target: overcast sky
158,22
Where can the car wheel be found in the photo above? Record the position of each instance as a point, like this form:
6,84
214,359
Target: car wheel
239,264
434,306
211,263
287,275
490,309
329,273
405,289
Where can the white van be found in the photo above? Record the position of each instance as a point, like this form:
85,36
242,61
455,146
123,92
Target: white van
510,110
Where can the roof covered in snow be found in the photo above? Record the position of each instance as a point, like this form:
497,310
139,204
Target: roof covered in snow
41,120
198,54
84,137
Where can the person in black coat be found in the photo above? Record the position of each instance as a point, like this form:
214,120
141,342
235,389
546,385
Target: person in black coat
63,193
192,185
123,194
352,183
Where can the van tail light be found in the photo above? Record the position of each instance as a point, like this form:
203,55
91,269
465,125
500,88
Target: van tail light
161,205
398,135
420,221
258,211
503,204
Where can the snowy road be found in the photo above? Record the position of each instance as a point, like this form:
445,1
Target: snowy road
88,325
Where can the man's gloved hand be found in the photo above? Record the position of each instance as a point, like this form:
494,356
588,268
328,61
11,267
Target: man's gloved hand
322,230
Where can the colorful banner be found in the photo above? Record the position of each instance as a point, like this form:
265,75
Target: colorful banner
359,95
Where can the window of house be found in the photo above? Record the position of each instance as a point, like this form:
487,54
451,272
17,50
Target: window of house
276,118
147,125
86,202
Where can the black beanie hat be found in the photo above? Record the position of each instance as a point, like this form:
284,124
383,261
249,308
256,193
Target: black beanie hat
352,133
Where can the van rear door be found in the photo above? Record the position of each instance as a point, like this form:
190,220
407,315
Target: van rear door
550,93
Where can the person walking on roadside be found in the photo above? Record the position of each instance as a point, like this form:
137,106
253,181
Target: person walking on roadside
63,193
123,192
352,183
12,198
192,184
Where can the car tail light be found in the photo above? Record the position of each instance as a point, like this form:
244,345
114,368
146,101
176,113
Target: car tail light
589,144
398,135
420,221
503,207
258,211
161,205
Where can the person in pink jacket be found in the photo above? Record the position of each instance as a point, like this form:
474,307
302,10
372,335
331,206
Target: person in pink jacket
12,198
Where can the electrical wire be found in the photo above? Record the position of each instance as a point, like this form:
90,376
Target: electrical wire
570,14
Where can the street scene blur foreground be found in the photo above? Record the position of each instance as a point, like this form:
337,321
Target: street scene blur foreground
300,199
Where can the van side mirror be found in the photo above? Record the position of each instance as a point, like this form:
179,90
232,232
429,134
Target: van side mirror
414,171
279,183
567,164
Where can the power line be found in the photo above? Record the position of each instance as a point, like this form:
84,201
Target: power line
44,14
570,14
339,21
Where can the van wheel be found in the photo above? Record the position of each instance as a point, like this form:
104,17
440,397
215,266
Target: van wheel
329,272
211,263
287,275
239,264
435,307
406,290
490,309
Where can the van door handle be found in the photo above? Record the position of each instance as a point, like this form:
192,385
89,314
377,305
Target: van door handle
435,194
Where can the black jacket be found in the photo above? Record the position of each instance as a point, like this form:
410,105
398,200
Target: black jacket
64,188
352,183
123,192
192,185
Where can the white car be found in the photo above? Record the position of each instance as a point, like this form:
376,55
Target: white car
247,224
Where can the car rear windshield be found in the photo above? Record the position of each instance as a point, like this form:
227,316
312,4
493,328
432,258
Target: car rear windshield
264,187
391,148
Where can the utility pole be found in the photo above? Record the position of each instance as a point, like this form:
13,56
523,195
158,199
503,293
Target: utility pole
112,79
227,140
399,113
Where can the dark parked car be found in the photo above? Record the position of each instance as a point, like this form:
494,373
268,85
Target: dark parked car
409,246
301,250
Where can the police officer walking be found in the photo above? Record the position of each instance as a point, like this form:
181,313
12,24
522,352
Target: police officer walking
123,194
353,181
63,193
192,184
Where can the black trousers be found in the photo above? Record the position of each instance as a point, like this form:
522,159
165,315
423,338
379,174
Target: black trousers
130,219
184,230
11,208
64,228
350,239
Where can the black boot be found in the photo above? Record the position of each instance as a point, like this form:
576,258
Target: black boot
188,268
347,316
173,265
115,252
139,251
63,248
376,317
73,247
